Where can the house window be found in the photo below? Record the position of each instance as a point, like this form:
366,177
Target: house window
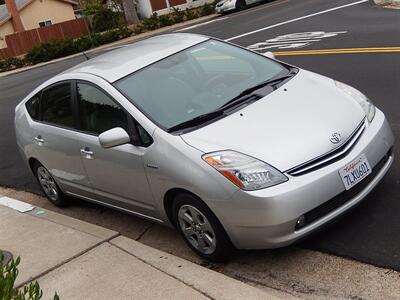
45,23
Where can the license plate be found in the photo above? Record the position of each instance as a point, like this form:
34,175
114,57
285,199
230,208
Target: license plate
355,171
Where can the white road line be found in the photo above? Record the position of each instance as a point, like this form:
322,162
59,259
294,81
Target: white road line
201,24
291,41
297,19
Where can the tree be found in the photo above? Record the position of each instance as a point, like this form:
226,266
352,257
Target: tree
131,16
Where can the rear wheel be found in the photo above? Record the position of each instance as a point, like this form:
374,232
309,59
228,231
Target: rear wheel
49,185
240,4
201,229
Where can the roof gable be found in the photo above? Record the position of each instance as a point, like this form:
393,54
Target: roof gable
21,4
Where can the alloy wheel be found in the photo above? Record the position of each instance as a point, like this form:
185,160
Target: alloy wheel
197,229
241,4
47,183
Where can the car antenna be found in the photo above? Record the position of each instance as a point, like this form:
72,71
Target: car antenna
90,36
84,54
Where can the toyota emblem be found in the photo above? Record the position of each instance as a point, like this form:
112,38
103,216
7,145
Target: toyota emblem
335,138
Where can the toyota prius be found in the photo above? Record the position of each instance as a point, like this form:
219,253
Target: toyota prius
233,148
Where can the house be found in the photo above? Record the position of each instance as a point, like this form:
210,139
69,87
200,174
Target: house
147,7
21,15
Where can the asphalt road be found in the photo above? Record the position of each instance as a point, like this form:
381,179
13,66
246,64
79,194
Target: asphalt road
371,232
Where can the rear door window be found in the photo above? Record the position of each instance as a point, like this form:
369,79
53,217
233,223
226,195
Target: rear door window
32,106
56,105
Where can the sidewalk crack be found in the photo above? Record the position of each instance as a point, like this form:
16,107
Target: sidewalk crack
144,232
162,271
36,277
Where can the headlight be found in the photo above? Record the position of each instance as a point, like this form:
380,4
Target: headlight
365,103
244,171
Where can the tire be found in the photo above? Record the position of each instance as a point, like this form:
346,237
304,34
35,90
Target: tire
240,5
201,229
49,186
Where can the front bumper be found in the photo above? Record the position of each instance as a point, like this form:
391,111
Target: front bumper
267,218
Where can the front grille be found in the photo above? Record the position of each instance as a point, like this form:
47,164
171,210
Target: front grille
331,156
344,197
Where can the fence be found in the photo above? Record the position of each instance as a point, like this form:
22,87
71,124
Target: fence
21,42
5,52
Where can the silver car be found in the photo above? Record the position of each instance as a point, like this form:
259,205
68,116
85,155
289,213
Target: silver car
225,6
235,149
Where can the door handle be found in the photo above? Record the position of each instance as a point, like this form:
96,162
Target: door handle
39,140
87,153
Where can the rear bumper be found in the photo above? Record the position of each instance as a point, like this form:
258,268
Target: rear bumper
267,218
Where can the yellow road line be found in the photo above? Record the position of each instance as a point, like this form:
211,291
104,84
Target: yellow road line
339,51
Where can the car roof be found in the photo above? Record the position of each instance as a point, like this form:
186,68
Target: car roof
118,63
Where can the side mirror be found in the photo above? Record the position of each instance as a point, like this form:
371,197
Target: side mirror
269,54
114,137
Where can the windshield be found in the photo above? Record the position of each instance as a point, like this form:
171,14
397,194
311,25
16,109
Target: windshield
196,81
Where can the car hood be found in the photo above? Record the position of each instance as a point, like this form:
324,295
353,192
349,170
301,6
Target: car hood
288,127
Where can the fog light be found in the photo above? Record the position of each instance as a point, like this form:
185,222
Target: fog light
301,222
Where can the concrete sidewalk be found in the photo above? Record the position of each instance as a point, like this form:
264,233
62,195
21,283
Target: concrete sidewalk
79,260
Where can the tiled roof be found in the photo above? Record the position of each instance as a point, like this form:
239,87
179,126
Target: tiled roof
21,3
4,12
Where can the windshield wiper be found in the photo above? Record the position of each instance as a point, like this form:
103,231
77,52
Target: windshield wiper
197,120
242,97
247,93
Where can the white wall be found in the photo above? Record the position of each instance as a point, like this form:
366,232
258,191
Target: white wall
145,10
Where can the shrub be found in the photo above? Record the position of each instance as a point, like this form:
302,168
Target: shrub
84,43
8,275
11,63
152,22
92,8
106,19
139,28
16,62
177,15
111,36
207,9
59,48
165,20
124,32
50,50
108,37
191,14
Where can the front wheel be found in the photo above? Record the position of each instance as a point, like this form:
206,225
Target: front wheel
201,229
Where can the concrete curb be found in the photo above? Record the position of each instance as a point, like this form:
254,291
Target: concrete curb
42,244
115,44
94,230
95,245
388,3
210,283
